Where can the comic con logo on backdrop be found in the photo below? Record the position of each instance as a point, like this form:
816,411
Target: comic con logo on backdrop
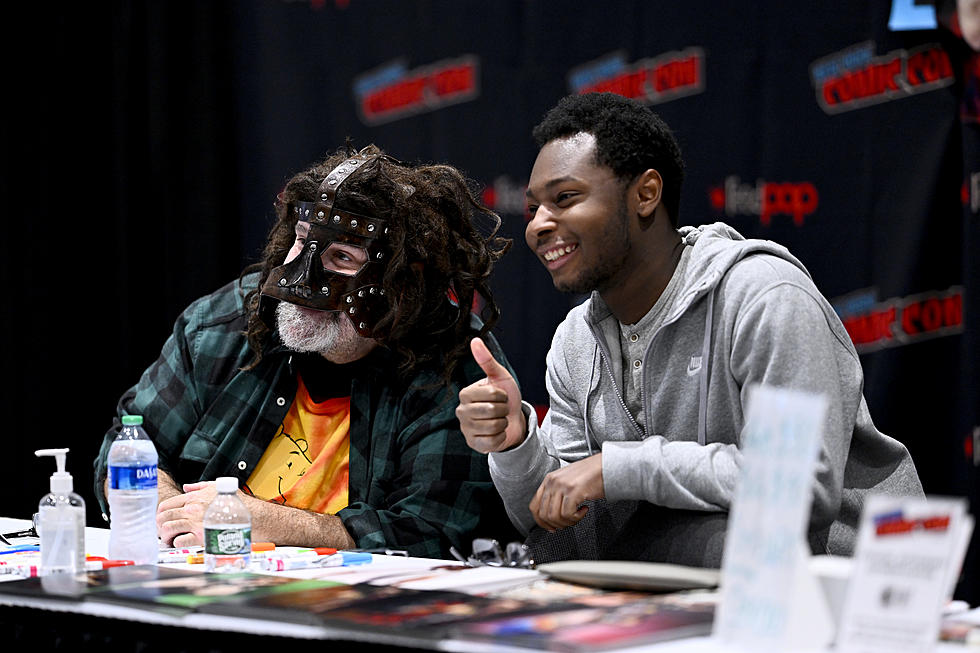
392,91
654,80
855,77
898,321
765,199
506,196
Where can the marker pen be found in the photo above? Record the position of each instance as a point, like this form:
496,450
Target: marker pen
313,562
185,550
261,551
166,557
95,565
28,571
310,553
20,549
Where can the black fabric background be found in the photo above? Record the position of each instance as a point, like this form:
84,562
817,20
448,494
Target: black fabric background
144,143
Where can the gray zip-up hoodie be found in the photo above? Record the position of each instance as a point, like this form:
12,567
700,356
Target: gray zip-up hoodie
745,312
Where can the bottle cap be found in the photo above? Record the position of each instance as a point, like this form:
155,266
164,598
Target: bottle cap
132,420
226,484
61,481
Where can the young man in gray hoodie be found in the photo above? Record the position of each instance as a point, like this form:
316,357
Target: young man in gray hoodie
648,377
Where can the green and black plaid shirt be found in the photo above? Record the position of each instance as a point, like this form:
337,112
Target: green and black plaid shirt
414,483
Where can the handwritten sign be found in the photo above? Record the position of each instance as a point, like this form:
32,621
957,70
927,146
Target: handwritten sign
769,599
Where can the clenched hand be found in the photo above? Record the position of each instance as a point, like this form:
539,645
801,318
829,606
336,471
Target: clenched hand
489,410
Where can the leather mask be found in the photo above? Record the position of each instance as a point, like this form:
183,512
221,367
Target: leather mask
305,281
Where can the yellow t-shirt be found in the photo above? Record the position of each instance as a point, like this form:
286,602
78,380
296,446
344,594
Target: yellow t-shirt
306,464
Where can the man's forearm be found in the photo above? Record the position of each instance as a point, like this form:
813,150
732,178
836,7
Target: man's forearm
288,526
166,486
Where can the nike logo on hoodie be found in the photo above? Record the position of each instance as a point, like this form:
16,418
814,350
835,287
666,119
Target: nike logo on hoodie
694,366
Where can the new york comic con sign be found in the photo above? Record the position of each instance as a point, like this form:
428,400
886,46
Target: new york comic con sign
855,77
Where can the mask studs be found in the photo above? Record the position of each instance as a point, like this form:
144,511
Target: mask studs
336,218
351,310
312,247
379,256
370,227
360,293
373,290
282,282
353,223
350,299
323,197
325,290
361,325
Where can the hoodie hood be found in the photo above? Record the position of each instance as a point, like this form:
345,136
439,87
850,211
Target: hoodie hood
714,254
717,247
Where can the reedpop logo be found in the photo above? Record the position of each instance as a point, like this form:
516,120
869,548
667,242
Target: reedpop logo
765,199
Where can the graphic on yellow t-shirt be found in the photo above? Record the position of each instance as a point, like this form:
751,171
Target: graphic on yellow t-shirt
306,464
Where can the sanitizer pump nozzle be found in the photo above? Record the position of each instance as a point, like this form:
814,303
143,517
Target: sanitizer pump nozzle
61,521
61,481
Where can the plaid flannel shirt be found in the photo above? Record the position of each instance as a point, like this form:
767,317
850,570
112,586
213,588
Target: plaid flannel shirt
414,483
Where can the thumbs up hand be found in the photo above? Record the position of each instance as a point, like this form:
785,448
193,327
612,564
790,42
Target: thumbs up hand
489,410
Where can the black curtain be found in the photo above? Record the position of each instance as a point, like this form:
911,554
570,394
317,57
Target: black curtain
121,207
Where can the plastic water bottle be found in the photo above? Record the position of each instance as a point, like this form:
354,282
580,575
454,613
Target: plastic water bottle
133,495
227,530
61,519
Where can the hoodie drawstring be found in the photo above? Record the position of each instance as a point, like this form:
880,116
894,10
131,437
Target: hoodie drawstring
705,362
588,392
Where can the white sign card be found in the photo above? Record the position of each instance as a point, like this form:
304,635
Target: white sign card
908,553
769,598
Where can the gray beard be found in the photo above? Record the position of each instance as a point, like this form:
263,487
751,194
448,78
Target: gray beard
327,333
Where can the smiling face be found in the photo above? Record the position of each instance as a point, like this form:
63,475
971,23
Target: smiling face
580,221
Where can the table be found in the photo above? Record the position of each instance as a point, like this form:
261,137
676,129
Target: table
48,623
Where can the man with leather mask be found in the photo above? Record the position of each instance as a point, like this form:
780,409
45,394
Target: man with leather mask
325,378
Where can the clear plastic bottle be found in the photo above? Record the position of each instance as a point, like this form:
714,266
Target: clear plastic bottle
61,522
227,530
133,495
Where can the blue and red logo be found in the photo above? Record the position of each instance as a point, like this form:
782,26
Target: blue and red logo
855,78
393,91
901,320
896,523
653,80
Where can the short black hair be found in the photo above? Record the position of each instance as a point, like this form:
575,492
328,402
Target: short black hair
630,139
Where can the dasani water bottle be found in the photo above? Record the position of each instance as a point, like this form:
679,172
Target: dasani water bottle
133,495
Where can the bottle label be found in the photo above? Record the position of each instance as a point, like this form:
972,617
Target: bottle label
143,477
227,541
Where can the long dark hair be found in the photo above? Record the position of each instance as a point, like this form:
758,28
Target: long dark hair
440,261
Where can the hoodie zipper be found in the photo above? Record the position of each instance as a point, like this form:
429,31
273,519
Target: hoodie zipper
601,342
605,363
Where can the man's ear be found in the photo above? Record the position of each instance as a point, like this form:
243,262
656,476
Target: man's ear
649,186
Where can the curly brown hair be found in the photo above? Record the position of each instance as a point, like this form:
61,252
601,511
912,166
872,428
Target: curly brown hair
440,261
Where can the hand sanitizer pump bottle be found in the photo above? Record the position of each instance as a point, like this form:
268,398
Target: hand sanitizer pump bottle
61,522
